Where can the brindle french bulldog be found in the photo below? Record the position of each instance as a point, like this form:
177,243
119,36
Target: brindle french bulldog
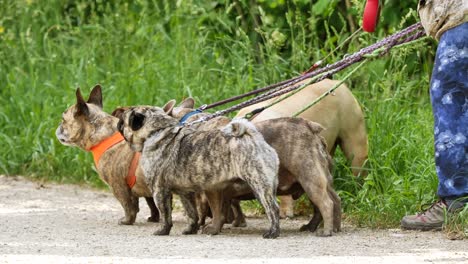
186,159
305,165
340,115
85,125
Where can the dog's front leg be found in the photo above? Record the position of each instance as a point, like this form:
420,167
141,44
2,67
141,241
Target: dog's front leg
217,205
128,202
154,210
188,201
163,198
203,208
239,218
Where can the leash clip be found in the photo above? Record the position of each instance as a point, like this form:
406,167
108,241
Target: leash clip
202,108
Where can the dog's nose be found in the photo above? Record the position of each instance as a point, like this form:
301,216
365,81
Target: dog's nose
120,127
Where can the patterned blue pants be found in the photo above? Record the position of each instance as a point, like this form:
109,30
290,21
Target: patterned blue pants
449,96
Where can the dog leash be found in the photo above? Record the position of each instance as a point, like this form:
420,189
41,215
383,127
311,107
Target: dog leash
377,49
370,20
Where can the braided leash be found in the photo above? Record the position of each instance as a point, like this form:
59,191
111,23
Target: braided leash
380,48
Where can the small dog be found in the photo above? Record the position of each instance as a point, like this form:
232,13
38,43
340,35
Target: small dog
340,115
186,160
305,164
85,125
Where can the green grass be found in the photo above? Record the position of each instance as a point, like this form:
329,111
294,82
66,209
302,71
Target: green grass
148,52
456,224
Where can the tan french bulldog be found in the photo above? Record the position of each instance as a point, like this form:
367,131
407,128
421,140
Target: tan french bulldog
339,113
85,125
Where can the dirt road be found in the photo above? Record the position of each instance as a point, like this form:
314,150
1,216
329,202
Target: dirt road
71,224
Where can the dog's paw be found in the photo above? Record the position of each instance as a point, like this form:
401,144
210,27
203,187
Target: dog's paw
210,230
163,231
239,223
324,233
153,219
308,227
271,234
191,229
126,221
288,215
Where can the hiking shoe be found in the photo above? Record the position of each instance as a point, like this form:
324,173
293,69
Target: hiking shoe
431,219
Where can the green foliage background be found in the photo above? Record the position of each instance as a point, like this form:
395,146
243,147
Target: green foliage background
147,52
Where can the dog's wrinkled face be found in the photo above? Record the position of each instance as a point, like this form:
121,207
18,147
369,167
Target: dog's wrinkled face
140,122
77,120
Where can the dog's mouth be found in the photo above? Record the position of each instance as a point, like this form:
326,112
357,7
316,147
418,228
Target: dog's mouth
65,141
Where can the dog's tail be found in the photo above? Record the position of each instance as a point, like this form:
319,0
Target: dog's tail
240,127
316,128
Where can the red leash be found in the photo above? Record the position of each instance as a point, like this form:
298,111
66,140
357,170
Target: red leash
371,15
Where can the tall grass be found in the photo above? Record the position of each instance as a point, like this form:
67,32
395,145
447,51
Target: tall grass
147,52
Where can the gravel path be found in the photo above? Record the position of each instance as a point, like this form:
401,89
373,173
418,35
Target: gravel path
50,223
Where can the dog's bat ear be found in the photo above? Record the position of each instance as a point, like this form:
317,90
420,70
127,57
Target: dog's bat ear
96,96
187,103
118,112
136,120
81,107
169,106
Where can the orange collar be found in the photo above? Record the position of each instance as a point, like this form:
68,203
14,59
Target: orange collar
99,149
104,145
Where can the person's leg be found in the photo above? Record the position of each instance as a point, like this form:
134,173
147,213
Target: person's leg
449,96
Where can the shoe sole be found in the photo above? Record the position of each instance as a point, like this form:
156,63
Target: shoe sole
434,227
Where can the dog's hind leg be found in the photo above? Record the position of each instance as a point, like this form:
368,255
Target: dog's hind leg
314,222
336,209
218,208
265,192
188,201
163,199
317,218
267,198
154,210
320,197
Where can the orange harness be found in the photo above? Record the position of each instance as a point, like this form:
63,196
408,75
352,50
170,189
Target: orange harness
99,149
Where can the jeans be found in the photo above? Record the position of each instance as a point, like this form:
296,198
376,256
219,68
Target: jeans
449,98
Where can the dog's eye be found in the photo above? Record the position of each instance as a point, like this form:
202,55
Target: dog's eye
136,121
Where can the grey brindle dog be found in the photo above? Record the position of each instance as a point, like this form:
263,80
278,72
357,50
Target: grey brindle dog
304,161
185,160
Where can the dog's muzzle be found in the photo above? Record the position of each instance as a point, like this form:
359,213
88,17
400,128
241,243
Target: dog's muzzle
61,137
